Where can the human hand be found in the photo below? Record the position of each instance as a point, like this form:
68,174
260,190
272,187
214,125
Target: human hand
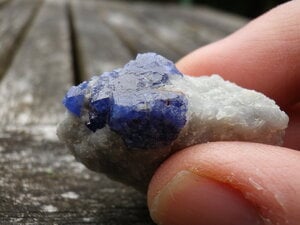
239,183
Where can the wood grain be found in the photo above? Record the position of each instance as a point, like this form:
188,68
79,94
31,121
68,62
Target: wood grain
99,49
34,85
187,28
134,33
13,26
41,183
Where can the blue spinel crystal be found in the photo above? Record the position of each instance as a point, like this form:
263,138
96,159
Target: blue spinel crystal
126,122
148,119
74,98
133,103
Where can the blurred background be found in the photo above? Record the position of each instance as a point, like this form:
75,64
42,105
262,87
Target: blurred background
247,8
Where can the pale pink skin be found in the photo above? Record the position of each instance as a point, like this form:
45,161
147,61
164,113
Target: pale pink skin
233,182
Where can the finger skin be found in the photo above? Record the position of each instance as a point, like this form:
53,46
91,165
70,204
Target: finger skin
267,176
264,55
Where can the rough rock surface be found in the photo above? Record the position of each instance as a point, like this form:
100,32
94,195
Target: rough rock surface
125,123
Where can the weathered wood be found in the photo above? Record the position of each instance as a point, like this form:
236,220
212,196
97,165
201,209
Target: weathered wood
179,29
41,183
133,32
156,24
209,24
99,49
41,73
171,29
13,26
184,28
219,22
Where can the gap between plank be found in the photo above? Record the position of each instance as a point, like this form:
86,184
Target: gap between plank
77,65
20,38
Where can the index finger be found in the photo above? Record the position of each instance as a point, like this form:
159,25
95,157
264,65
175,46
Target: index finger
264,55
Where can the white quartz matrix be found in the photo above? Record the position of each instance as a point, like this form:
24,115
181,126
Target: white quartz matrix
220,110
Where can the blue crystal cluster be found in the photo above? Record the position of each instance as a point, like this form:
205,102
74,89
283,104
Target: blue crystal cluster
130,102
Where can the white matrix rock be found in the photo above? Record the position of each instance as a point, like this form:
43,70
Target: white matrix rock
217,110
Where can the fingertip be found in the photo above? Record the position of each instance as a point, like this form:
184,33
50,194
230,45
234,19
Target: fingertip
241,176
196,200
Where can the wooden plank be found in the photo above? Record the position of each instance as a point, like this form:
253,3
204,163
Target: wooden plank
221,21
13,25
41,183
170,29
178,28
133,32
99,49
187,28
34,85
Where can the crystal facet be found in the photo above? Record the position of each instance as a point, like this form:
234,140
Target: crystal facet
148,119
128,101
74,99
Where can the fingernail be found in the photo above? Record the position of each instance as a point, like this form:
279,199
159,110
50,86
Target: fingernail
195,200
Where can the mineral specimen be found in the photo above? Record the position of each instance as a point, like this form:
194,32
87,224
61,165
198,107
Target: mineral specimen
125,123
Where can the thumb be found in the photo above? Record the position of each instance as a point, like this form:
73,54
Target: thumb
227,183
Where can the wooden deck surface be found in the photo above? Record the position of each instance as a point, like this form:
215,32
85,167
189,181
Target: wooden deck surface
47,46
